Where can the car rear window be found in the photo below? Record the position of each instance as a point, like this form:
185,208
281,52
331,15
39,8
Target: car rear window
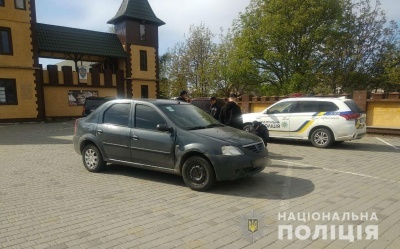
94,103
325,106
353,106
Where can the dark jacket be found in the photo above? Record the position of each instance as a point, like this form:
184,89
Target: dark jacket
215,111
231,115
181,99
262,131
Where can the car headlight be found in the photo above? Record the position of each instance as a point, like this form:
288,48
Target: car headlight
231,151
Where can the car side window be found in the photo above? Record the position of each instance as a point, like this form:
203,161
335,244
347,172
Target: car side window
147,118
325,106
117,114
306,106
283,107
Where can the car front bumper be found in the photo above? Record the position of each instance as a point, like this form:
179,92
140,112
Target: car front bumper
235,167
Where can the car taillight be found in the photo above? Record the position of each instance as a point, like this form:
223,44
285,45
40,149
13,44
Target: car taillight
350,116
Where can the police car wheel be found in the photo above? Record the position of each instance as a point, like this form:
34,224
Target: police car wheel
248,128
322,138
198,174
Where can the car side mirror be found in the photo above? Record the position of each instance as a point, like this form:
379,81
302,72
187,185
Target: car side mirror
161,127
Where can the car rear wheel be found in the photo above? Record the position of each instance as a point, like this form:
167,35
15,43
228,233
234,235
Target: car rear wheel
92,159
322,138
198,174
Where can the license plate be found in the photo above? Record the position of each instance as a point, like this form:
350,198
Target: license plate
260,162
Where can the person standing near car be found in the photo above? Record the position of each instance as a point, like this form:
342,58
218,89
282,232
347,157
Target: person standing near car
261,130
183,96
231,114
215,108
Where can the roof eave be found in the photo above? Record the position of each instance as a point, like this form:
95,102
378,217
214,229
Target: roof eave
119,18
86,54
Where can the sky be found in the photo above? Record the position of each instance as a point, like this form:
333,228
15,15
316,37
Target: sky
178,15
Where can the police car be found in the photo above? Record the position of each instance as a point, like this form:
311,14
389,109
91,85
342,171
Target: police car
323,121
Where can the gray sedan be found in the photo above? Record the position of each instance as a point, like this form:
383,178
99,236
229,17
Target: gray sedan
168,136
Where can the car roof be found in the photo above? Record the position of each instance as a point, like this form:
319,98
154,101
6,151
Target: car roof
152,101
314,99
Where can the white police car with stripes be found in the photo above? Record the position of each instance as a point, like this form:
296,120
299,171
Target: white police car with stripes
323,121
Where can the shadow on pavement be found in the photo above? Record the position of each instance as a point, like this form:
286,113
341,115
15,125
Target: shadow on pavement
115,169
276,156
263,185
369,147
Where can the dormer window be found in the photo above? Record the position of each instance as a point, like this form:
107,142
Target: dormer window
142,32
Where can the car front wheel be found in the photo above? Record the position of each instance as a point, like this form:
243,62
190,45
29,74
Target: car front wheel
92,159
248,128
322,138
198,174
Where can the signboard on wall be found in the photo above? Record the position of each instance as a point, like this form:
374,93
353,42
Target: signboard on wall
83,72
77,97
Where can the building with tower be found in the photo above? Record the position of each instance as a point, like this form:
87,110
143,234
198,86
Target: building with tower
124,64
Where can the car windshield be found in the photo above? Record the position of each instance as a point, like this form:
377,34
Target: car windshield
189,117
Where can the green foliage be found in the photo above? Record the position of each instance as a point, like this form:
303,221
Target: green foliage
278,47
310,46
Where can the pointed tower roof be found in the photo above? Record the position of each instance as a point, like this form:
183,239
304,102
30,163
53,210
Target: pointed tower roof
137,10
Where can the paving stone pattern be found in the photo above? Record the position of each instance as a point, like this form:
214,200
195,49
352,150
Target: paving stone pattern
49,200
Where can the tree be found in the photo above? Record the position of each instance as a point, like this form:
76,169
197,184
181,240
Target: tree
233,72
189,64
173,76
316,46
111,29
198,56
391,68
354,55
284,39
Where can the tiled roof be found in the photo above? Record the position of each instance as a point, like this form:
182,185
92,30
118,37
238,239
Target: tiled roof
60,39
138,10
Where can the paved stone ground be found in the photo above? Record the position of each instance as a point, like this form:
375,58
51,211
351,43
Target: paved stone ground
49,200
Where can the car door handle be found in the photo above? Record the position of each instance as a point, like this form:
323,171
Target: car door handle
134,137
99,131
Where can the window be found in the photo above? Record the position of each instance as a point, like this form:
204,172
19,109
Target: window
145,91
353,106
307,106
142,32
283,107
5,41
1,3
143,60
117,114
327,106
8,92
20,4
147,118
